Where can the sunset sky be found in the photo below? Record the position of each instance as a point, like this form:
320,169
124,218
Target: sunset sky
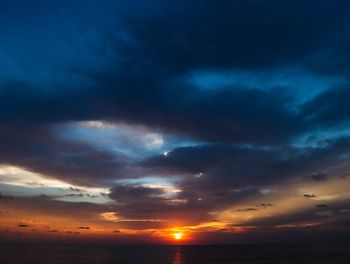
165,122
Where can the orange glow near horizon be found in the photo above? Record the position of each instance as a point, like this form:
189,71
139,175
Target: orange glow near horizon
26,218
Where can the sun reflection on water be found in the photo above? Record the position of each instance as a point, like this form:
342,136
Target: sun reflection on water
178,258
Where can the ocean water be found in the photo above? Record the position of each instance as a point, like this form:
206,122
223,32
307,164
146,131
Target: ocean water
268,254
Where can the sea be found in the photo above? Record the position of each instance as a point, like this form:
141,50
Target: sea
245,254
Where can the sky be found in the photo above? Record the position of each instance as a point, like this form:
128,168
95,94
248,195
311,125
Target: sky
166,122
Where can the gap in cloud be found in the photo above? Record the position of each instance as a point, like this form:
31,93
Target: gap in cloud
306,85
133,141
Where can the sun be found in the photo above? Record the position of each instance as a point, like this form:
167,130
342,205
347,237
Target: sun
178,236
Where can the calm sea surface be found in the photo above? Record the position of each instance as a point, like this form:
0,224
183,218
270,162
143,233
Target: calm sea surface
174,255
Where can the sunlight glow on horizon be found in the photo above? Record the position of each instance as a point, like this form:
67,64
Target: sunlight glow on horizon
178,236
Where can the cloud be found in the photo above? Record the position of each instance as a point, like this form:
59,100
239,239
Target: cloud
229,166
73,233
91,114
36,149
130,194
195,42
319,177
309,195
264,205
75,189
53,231
247,209
74,195
328,108
6,197
23,225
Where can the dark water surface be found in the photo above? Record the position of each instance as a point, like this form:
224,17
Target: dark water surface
271,254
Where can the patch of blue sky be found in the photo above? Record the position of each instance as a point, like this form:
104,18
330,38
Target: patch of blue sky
300,83
14,190
96,199
133,141
168,185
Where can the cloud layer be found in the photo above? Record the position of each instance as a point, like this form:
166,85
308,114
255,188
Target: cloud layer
214,116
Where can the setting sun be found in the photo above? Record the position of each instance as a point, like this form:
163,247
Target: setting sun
178,236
